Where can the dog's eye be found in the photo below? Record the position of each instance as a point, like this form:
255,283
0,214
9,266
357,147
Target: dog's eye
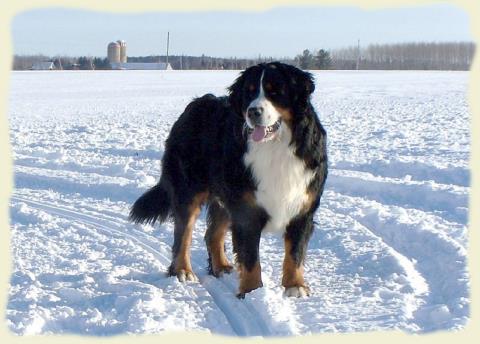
277,91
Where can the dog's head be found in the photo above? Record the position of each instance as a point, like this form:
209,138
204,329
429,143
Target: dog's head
269,96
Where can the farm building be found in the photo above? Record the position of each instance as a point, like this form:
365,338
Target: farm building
141,66
44,65
117,56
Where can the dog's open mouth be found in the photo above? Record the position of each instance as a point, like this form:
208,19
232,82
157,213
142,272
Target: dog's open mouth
261,133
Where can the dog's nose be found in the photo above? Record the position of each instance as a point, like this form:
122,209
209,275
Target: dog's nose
254,113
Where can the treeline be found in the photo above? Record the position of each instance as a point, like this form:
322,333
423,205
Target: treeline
411,56
188,62
25,62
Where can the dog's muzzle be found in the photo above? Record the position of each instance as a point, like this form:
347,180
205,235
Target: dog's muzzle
261,133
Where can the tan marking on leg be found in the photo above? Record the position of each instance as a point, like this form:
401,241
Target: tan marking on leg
292,274
309,200
250,279
182,260
216,248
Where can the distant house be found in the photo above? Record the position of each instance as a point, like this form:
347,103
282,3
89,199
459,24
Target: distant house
44,65
141,66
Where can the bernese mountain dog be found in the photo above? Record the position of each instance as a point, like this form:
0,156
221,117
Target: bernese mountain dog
257,158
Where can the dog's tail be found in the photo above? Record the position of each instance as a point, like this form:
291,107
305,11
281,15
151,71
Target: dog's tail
153,205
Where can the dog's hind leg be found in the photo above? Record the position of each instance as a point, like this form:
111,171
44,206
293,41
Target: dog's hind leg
185,216
218,223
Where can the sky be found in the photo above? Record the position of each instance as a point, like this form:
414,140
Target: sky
279,32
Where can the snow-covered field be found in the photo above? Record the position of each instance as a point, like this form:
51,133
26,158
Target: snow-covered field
389,249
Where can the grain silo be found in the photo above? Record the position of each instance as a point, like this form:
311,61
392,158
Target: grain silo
113,52
123,50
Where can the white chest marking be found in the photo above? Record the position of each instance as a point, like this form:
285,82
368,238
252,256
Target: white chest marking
282,179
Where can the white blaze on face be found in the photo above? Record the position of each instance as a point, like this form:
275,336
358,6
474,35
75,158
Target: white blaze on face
270,113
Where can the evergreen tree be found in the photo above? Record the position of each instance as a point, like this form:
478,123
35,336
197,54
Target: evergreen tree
323,59
83,63
102,64
306,60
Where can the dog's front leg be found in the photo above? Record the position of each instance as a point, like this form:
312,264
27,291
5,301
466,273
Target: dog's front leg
246,233
296,239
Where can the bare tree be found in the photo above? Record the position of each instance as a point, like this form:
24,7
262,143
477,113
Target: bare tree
423,55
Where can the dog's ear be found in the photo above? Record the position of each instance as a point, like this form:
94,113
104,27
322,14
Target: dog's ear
235,93
301,83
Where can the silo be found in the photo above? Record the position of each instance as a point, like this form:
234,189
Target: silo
113,52
123,50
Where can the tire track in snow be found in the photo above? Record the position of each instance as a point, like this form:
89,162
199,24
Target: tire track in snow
86,184
266,304
428,252
262,306
415,279
417,170
244,323
450,200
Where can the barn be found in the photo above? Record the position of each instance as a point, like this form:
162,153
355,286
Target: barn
141,66
43,65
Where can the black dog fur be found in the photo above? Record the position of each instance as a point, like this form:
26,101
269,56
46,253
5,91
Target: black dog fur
203,163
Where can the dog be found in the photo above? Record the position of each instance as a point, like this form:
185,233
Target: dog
257,158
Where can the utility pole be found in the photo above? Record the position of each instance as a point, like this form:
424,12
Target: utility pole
168,43
358,53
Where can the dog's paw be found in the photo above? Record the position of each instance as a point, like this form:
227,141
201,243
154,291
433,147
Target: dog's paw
185,275
298,291
224,269
243,290
240,296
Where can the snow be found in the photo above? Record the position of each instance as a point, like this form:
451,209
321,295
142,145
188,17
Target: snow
390,241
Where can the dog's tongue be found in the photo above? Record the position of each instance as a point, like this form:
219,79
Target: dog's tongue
258,133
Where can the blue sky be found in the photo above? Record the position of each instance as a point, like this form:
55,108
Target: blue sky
282,31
